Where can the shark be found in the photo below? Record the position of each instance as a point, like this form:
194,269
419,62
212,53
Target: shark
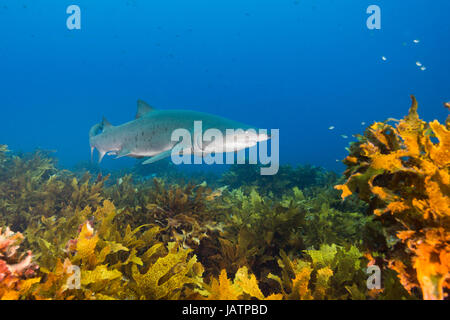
151,135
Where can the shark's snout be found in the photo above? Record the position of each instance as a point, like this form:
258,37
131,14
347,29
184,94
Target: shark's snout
95,130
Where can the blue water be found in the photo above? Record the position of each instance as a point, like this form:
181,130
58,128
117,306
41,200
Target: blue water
300,66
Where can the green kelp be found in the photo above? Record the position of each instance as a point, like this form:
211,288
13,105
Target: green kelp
287,177
258,226
332,272
120,263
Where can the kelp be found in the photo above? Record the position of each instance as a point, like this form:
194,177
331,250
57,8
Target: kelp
126,235
243,287
257,227
32,187
109,260
169,275
188,213
403,172
329,273
21,184
287,177
170,173
326,273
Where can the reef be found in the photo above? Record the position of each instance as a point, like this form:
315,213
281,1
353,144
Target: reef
157,233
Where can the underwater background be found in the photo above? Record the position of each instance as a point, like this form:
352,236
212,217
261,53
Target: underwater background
353,190
300,66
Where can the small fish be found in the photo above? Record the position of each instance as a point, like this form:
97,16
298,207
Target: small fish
383,58
331,128
344,136
418,63
416,41
423,68
363,123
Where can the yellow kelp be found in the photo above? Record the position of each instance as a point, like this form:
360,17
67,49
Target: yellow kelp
403,172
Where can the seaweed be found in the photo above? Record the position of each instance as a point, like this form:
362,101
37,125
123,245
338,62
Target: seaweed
403,173
331,272
134,235
257,227
248,175
17,271
243,287
188,213
108,258
32,187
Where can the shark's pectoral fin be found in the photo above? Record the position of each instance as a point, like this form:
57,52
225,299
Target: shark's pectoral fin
101,154
159,156
123,153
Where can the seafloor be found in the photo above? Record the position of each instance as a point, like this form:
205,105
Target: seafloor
380,231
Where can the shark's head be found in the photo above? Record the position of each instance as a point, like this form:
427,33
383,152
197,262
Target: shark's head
102,141
234,139
247,138
95,130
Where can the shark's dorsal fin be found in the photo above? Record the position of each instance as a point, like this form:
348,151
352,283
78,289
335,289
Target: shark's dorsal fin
106,124
143,108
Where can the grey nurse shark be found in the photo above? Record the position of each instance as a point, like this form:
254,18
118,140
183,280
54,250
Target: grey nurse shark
150,135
